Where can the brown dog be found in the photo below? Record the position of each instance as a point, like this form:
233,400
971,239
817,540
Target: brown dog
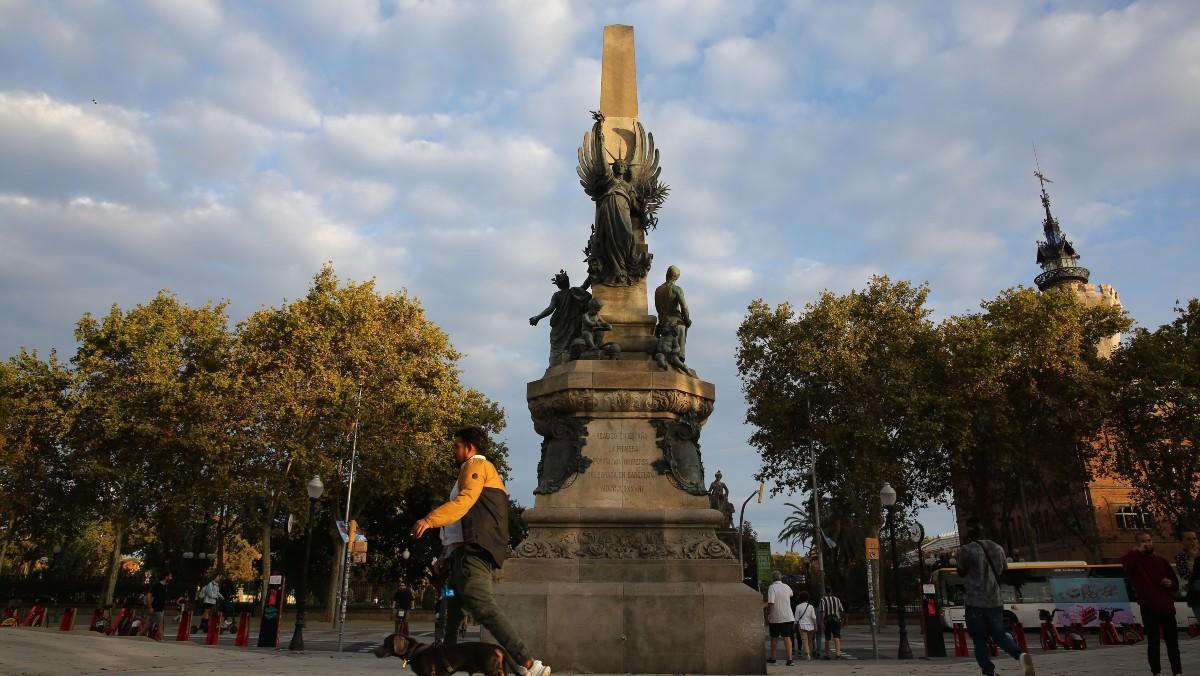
444,660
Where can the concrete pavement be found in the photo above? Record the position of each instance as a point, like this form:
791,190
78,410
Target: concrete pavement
46,651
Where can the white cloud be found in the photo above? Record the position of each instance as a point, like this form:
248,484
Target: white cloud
262,82
55,148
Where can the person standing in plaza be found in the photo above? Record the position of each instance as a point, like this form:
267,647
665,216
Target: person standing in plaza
158,605
474,525
981,562
1188,565
780,620
806,624
832,613
210,595
1155,584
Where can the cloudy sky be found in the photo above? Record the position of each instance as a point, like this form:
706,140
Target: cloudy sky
225,150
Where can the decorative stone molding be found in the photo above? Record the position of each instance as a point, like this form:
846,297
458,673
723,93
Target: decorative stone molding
622,544
623,401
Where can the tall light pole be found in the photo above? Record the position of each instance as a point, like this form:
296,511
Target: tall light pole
741,522
887,495
818,537
315,488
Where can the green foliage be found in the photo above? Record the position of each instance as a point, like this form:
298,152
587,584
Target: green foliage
1024,391
1153,433
36,492
340,360
174,433
882,394
849,376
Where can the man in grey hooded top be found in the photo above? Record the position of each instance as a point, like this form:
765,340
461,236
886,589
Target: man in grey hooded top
981,563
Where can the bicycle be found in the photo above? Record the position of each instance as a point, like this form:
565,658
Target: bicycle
1113,633
1052,639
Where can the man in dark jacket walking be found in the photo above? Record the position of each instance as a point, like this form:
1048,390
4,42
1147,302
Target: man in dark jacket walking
475,535
1155,584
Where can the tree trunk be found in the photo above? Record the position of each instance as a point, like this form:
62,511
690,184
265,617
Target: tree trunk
12,520
266,561
114,563
335,576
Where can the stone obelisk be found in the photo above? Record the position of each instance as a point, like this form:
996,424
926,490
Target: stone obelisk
622,571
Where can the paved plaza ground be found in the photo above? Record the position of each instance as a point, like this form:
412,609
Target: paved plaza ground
47,651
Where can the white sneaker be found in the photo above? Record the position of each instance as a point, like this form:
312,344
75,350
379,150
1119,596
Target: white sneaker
535,669
1027,662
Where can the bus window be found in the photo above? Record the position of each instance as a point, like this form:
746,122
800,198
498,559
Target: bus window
1026,586
951,590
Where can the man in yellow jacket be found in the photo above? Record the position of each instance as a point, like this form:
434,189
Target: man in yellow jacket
474,535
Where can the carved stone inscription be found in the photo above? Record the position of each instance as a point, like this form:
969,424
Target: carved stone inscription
623,451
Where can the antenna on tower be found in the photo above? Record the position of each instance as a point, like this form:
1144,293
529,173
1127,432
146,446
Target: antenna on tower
1038,170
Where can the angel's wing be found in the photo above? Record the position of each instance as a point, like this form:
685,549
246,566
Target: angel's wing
594,174
651,191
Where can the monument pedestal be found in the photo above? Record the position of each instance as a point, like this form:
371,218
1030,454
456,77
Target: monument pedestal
622,571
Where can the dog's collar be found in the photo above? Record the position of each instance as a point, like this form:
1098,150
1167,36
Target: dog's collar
415,649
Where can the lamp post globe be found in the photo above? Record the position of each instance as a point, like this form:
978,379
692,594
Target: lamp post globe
887,496
314,489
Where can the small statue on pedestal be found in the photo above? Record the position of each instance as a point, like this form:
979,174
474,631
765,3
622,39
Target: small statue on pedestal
592,328
718,499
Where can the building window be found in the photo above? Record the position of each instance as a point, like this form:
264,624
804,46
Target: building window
1132,518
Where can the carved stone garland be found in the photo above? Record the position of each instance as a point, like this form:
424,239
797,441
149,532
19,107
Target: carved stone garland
680,444
563,439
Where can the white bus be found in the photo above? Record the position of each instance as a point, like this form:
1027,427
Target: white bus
1077,589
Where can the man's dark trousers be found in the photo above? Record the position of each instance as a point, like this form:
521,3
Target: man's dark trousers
471,580
985,623
1156,624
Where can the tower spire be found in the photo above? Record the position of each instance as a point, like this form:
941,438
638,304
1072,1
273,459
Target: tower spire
1056,256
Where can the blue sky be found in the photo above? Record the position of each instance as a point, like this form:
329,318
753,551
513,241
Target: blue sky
234,147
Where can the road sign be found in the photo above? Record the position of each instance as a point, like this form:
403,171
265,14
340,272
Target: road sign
762,551
872,549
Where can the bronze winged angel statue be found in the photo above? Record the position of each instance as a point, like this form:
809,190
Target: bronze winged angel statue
627,193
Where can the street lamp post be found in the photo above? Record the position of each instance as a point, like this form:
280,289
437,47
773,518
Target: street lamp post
315,489
887,495
741,522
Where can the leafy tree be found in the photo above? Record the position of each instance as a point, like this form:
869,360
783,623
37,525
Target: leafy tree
147,409
346,366
789,563
1153,432
36,501
1024,390
853,377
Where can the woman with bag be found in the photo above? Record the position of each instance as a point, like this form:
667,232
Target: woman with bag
806,623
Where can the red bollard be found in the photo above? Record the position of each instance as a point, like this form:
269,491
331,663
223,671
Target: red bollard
97,615
185,626
214,629
36,617
960,641
68,620
115,627
1019,634
1193,630
243,632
